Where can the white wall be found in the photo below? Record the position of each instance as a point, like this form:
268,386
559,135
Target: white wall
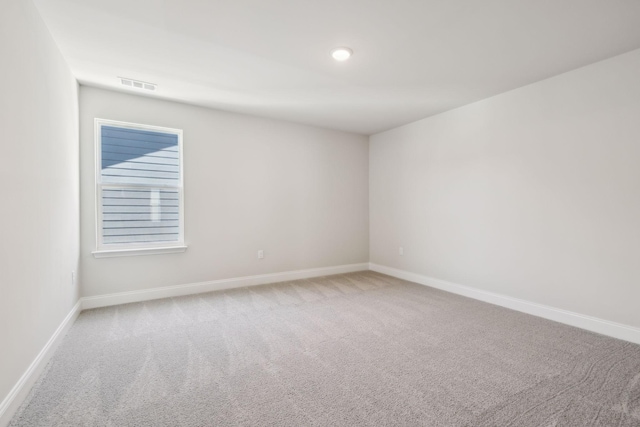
534,193
40,203
299,193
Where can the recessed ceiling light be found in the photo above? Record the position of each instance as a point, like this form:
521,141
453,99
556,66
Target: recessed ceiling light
137,84
341,53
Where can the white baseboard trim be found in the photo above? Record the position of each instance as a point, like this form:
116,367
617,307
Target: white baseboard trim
215,285
20,391
593,324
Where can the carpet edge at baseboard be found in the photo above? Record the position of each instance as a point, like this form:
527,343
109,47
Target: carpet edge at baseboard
20,390
590,323
215,285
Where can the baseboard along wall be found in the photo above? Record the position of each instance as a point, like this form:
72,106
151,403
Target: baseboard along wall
215,285
593,324
20,391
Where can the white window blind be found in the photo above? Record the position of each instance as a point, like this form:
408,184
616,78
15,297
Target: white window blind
139,186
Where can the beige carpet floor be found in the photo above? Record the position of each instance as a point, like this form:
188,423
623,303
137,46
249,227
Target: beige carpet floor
348,350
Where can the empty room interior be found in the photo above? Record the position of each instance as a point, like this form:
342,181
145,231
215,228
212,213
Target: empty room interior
320,213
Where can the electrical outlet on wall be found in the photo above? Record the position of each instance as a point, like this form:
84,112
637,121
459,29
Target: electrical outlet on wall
401,251
260,254
73,278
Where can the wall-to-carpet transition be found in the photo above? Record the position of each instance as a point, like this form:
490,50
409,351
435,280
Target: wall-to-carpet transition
353,349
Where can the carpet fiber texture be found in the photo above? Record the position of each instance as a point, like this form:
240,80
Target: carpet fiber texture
347,350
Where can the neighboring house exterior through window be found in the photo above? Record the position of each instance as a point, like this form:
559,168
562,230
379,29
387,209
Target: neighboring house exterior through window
139,189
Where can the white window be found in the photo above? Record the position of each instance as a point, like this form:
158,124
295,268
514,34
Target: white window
139,189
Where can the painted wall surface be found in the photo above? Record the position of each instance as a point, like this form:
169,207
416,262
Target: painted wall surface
297,192
40,204
534,193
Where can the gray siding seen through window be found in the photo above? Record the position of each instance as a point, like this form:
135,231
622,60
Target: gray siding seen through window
140,177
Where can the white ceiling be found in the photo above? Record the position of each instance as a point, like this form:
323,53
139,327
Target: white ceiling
271,58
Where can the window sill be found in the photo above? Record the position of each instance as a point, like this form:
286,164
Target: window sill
138,251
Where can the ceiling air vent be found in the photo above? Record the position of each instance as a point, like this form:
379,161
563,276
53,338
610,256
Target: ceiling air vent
137,84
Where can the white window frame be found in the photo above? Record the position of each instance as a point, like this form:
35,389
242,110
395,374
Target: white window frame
125,249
